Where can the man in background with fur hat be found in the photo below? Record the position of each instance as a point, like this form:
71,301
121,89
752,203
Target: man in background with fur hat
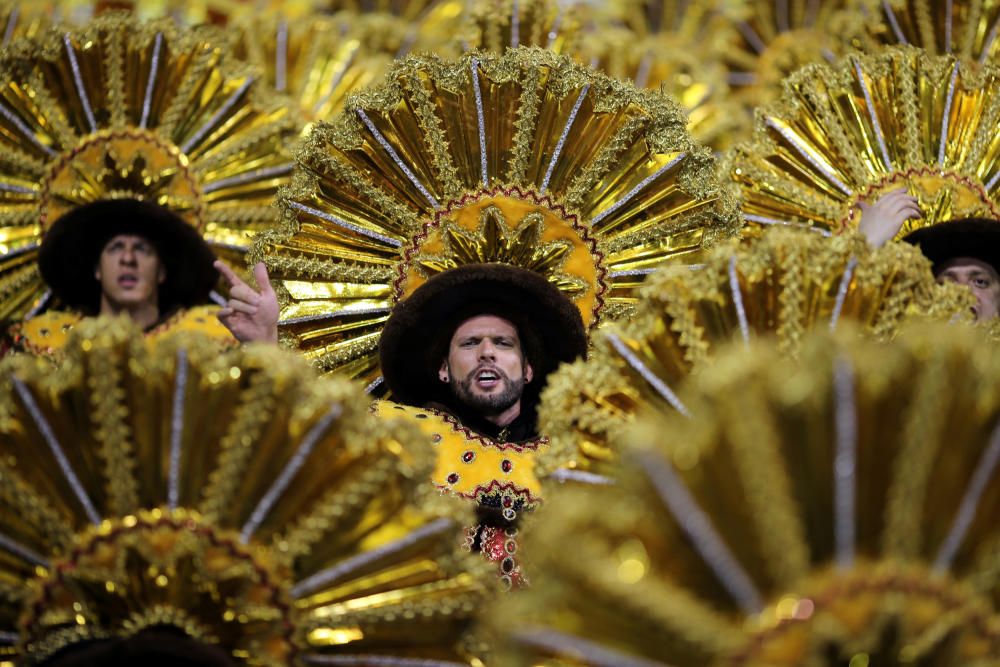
965,251
121,257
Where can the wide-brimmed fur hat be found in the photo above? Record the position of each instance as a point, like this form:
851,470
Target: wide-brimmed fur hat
71,249
416,337
978,238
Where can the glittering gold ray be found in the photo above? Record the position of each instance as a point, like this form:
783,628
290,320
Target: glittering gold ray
231,494
319,60
782,285
809,511
495,25
668,62
585,180
774,38
869,125
968,30
119,108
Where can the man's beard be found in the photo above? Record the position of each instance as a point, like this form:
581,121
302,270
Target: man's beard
488,404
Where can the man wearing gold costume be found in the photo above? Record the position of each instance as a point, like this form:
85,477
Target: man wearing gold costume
122,257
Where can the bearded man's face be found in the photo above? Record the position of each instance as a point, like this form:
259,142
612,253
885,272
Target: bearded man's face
486,367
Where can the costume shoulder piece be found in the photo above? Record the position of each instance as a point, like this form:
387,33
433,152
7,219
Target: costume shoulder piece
233,497
48,334
809,512
524,159
870,124
781,286
123,109
497,475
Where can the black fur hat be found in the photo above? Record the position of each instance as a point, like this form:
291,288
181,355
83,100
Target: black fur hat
72,246
416,336
978,238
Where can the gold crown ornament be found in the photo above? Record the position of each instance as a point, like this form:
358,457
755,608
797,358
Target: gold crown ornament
524,159
838,509
849,133
124,109
780,286
234,496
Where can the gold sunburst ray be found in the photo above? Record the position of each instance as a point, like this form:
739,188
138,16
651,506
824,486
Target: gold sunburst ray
495,25
80,104
782,285
228,493
608,171
320,60
873,123
809,511
966,29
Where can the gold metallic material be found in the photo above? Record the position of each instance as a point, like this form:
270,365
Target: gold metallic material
119,109
771,39
964,29
871,124
832,509
231,494
495,25
319,60
781,286
586,180
48,334
667,62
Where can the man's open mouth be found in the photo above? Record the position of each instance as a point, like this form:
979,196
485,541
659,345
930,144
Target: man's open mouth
487,378
128,280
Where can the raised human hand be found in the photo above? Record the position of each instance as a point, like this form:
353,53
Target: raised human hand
250,315
882,220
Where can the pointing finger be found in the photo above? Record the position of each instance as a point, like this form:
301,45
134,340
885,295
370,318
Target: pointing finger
260,275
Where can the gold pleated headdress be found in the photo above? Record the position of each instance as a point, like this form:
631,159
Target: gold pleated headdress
495,25
966,29
839,509
524,159
675,47
780,286
871,124
234,496
119,109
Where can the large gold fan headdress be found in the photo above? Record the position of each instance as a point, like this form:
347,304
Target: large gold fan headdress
236,497
676,47
495,25
781,286
838,510
524,159
871,124
120,108
969,30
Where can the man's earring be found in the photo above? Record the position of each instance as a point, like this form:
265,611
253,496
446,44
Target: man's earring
444,378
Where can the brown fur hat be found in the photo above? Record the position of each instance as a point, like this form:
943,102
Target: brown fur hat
978,238
418,331
72,248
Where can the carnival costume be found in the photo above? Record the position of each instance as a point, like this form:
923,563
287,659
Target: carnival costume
523,159
925,123
121,109
839,508
234,498
780,286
